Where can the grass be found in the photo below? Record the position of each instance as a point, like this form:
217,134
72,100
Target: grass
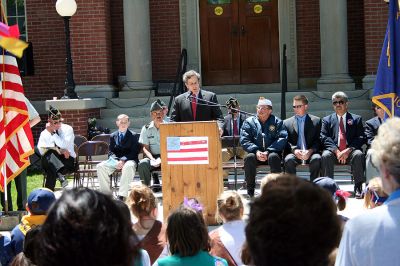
34,180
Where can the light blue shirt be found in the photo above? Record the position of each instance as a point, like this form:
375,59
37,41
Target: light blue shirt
301,142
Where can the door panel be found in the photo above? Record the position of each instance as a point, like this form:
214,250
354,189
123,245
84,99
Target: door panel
239,41
219,44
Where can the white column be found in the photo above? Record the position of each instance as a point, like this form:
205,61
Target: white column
137,44
334,52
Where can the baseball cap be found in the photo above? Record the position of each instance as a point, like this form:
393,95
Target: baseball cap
40,200
263,101
327,183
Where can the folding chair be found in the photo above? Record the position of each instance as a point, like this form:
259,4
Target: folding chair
79,139
86,162
102,137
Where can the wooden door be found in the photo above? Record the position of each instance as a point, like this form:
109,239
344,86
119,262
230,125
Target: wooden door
239,41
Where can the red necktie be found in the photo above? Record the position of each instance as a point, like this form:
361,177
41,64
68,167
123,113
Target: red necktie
235,128
342,135
194,107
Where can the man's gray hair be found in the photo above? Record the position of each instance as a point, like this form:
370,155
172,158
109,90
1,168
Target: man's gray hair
340,95
190,74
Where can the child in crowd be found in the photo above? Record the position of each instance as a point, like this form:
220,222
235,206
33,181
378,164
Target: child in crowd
188,240
39,202
5,248
267,178
150,231
374,195
228,239
338,195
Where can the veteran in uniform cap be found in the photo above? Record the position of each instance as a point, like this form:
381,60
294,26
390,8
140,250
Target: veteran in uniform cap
56,145
264,138
150,140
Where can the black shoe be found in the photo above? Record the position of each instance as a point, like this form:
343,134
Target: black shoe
358,191
63,180
250,192
156,188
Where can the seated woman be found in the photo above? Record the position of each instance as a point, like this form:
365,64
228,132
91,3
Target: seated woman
188,240
374,195
150,231
228,239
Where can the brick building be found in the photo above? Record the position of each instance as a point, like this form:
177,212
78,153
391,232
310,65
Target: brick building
134,44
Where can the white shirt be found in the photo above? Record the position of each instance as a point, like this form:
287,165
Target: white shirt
64,139
232,235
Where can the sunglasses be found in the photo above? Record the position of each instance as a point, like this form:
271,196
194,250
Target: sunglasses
376,199
56,122
297,106
341,102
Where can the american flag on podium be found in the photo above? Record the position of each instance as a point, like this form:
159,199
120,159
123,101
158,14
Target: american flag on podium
187,150
16,140
387,84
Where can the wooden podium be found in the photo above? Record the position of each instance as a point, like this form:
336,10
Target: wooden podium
186,172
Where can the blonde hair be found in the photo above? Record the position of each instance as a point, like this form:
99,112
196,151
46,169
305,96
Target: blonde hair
386,147
141,201
374,185
230,206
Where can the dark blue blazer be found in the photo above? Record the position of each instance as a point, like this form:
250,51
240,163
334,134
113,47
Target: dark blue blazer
354,131
312,130
228,124
371,129
128,149
182,109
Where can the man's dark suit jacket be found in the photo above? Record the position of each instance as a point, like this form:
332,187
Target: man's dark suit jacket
228,124
128,149
354,131
312,130
371,129
182,109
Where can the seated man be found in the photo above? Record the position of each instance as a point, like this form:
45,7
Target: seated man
264,137
123,155
342,135
232,128
303,138
371,130
56,145
150,141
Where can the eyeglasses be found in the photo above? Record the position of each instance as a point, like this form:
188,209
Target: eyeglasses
298,106
376,199
338,102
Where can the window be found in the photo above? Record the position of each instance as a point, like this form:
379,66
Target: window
15,10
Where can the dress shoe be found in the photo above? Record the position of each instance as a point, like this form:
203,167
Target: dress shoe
63,181
358,191
121,198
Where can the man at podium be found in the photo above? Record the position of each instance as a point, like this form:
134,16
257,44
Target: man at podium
196,104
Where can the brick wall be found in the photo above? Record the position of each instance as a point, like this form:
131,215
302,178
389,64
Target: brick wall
355,35
75,118
165,38
90,44
375,22
308,40
117,39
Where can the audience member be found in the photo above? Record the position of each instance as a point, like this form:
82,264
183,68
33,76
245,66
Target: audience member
303,139
150,141
150,231
264,137
227,240
39,202
293,222
56,145
342,135
123,155
374,194
371,129
196,104
188,239
21,260
6,253
372,238
85,227
267,178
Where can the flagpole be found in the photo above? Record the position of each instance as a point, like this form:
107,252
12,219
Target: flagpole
3,166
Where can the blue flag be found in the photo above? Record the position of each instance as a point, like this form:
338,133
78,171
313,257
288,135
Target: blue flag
387,84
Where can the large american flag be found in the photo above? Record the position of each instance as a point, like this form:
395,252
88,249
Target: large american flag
16,140
187,150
